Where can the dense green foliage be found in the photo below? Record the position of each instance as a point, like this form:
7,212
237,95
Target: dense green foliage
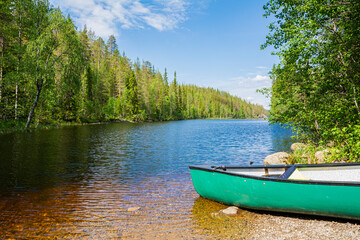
51,73
316,86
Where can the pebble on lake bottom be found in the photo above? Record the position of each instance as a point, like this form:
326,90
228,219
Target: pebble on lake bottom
133,209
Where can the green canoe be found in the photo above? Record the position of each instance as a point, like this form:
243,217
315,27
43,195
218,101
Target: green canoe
323,189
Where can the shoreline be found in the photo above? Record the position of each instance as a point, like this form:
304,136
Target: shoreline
270,226
19,126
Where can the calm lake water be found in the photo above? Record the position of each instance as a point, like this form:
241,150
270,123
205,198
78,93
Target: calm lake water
123,180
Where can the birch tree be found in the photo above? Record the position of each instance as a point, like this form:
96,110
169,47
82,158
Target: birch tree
52,37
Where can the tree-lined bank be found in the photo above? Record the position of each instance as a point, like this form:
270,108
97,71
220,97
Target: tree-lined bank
316,86
51,73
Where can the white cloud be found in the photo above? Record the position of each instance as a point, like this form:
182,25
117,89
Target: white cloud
138,8
251,82
259,78
158,22
104,16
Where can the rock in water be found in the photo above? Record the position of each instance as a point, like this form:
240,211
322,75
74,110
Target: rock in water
230,211
278,158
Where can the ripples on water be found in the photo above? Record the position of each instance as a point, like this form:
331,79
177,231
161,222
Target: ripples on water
86,181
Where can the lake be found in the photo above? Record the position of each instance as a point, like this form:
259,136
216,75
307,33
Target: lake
123,180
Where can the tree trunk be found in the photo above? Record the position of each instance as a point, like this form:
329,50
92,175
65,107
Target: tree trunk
38,91
31,113
19,61
16,99
98,61
1,65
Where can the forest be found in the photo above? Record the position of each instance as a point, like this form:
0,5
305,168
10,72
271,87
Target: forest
316,85
52,73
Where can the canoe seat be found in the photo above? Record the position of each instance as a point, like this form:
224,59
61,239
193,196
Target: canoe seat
297,175
293,173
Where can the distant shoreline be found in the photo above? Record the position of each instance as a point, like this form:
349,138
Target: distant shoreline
19,126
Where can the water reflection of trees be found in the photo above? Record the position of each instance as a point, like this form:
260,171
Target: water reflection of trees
281,138
43,158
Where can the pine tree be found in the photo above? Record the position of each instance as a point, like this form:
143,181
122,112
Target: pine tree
111,43
132,96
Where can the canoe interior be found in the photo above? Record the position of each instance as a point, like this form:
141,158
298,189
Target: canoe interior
331,173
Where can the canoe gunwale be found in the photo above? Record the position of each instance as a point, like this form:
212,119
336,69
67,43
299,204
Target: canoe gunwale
222,170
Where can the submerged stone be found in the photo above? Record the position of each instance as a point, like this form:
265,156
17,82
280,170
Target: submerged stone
133,209
230,211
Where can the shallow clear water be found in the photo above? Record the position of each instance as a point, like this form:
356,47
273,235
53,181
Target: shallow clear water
122,180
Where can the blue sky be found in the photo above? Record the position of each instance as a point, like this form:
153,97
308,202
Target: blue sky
209,43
